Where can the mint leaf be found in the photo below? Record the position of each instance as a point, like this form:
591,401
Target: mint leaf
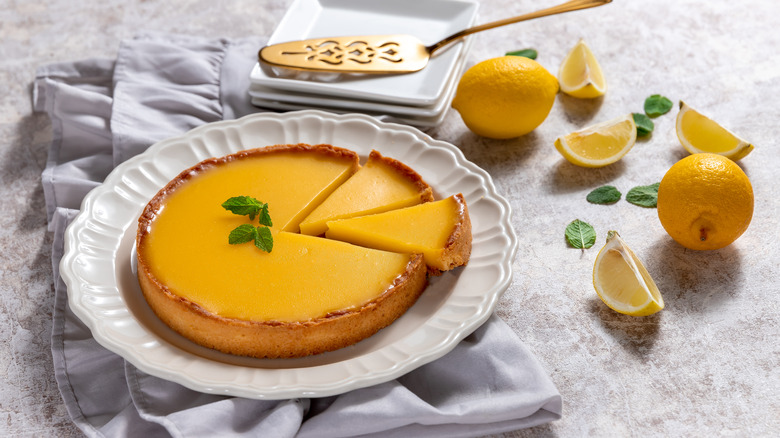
263,239
244,205
265,217
644,126
247,233
527,53
657,105
580,235
242,234
604,195
644,196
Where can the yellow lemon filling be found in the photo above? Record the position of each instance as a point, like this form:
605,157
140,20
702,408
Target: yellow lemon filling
304,277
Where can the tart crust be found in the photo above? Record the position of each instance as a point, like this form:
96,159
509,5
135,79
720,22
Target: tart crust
426,193
457,250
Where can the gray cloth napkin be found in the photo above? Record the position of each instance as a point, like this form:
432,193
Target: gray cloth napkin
106,111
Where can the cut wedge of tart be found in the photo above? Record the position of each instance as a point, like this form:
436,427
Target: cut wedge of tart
382,184
308,295
440,230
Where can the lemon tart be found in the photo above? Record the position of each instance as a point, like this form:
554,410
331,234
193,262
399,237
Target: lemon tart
440,230
382,184
307,296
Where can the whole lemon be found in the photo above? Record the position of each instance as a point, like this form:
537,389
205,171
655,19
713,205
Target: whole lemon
705,201
505,97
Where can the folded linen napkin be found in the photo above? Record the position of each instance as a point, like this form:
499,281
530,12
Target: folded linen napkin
106,111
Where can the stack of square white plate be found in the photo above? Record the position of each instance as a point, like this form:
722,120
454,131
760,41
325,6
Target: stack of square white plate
420,99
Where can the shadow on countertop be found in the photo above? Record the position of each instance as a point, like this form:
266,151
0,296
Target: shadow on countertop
637,334
498,157
580,112
694,281
568,177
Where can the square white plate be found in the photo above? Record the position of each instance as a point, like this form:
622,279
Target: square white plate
420,122
428,20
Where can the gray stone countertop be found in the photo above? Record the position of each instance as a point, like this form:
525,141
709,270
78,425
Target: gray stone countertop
706,365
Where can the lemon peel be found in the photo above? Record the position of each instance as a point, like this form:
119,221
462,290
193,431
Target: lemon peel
705,201
580,73
600,144
505,97
622,281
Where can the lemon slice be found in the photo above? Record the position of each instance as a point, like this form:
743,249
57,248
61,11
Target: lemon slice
580,74
622,282
599,145
699,133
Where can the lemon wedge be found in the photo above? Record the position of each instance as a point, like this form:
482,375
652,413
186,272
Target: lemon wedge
622,281
580,74
699,133
600,144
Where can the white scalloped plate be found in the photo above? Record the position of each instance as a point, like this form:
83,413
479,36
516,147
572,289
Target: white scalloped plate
104,293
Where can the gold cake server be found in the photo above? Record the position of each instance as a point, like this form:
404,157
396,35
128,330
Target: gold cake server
383,53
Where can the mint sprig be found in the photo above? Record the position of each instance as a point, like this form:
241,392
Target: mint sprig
249,206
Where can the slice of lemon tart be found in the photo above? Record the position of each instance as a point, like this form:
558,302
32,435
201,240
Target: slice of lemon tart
382,184
308,295
440,230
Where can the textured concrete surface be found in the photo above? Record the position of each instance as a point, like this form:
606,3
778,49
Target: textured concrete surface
706,365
